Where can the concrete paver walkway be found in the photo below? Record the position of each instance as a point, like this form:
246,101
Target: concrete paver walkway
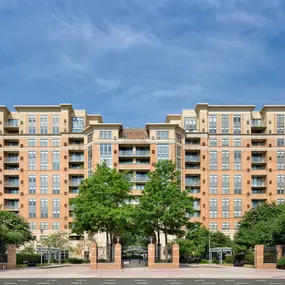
193,271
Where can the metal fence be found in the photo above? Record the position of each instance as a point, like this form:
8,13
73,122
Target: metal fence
270,255
106,254
3,253
163,254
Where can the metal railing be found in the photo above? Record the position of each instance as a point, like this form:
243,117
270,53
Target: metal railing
11,159
11,124
11,207
133,153
76,159
257,159
193,183
74,182
139,179
11,183
257,123
192,158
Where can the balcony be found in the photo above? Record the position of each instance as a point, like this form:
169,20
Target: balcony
11,183
257,126
11,207
192,182
74,183
11,159
76,159
11,124
258,159
11,191
139,178
192,158
127,153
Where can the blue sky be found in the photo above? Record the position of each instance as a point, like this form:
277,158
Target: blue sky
134,61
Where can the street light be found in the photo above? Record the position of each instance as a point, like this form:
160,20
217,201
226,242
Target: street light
41,231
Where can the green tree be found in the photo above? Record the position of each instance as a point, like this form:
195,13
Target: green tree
102,204
164,208
264,224
14,229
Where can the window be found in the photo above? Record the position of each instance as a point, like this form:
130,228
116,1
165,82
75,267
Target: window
55,142
44,142
237,142
44,124
225,226
44,184
225,142
190,124
89,138
89,161
213,226
56,226
44,160
32,142
213,142
237,124
237,160
237,184
280,160
33,226
56,184
44,225
32,124
280,142
32,184
236,226
213,208
280,201
213,184
280,184
213,160
55,160
225,184
55,124
280,124
237,208
225,208
212,124
106,154
178,138
56,208
105,135
32,208
225,160
178,158
162,135
162,151
44,208
32,160
225,124
77,124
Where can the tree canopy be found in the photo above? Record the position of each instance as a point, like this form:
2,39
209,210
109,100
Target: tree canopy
14,229
264,224
163,206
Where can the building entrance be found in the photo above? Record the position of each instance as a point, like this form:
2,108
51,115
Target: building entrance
134,256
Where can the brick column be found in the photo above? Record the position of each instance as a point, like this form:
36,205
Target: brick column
175,255
93,256
258,256
151,256
118,256
12,260
279,251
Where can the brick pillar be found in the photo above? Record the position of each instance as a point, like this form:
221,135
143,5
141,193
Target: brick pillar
175,255
118,255
279,251
258,256
93,256
151,256
12,260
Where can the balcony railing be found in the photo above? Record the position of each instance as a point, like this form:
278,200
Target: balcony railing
11,207
257,159
11,183
192,158
11,159
11,124
257,123
74,182
139,179
193,183
133,153
76,159
261,184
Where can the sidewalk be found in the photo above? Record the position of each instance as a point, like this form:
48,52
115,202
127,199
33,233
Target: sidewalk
193,271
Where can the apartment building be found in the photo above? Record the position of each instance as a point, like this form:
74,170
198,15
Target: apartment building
231,159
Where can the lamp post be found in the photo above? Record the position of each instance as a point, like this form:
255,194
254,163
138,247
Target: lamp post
41,231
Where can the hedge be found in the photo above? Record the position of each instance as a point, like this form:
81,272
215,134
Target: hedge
281,262
28,257
77,260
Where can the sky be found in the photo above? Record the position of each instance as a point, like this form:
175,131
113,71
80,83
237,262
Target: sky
134,61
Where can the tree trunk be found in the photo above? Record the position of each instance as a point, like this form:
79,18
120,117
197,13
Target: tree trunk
158,244
166,248
107,247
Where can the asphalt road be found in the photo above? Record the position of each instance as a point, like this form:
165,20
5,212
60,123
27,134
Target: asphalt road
133,281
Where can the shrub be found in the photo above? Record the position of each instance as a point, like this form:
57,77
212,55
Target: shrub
28,257
281,262
249,258
230,259
204,261
74,260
